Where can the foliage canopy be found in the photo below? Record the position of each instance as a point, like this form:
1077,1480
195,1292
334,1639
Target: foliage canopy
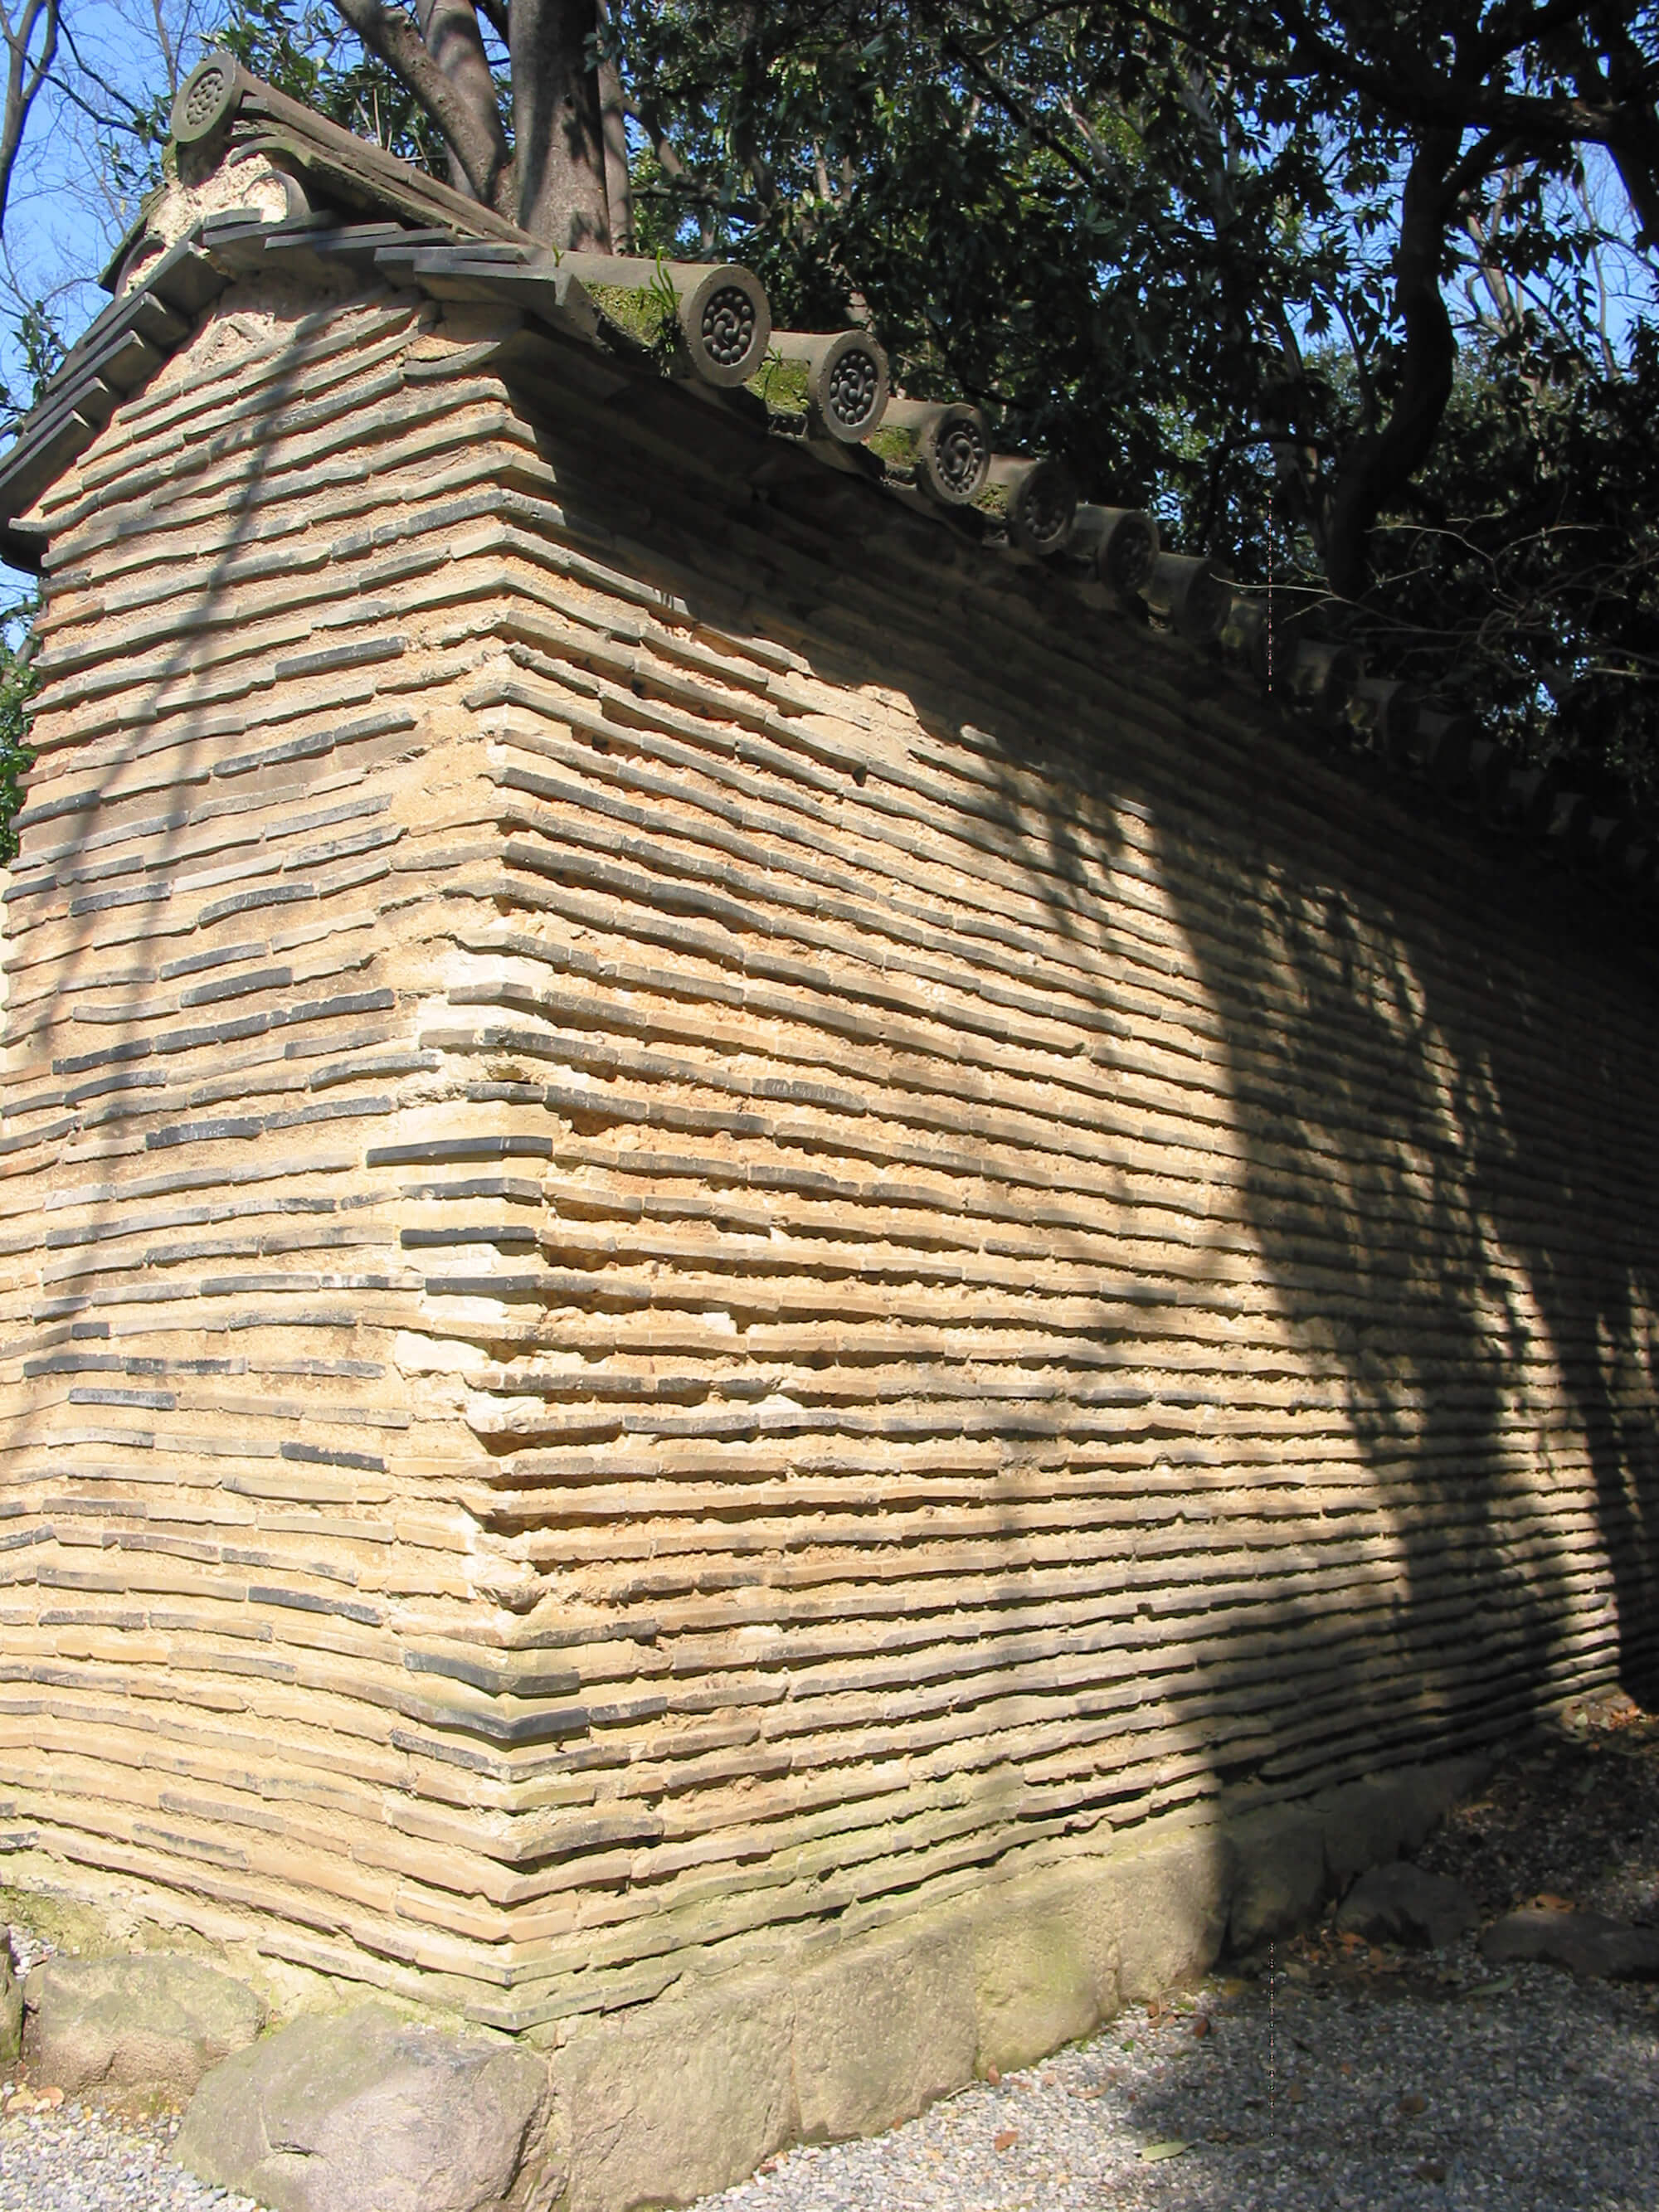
1358,295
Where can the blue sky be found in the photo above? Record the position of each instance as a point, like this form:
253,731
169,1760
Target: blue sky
68,209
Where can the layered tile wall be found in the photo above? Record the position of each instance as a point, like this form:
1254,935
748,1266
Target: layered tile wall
717,1215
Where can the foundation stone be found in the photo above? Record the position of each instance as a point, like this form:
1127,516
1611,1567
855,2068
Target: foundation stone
692,2095
151,2026
11,2006
881,2033
364,2111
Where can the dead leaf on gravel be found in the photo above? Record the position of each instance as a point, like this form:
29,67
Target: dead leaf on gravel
1202,2024
1152,2153
1494,1988
1005,2139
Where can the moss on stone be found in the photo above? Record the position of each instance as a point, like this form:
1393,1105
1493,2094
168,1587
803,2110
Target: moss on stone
58,1921
642,312
783,385
898,447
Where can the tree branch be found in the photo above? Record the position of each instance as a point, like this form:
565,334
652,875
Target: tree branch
1379,461
25,75
450,32
130,120
1405,90
480,150
1634,145
1013,103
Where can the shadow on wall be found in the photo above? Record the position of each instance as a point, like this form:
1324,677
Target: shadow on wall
1434,1163
176,693
1442,1096
1484,1275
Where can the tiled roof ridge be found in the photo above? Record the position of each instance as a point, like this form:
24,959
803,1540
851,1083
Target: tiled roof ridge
825,395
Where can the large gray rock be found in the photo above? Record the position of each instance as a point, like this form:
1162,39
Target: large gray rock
681,2100
1402,1904
11,2004
145,2027
364,2111
882,2027
1281,1881
1584,1942
1173,1894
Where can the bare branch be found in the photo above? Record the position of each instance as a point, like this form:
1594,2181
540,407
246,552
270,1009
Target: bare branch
27,69
164,40
128,119
481,150
449,30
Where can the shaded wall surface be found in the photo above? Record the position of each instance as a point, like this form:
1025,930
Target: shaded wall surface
716,1214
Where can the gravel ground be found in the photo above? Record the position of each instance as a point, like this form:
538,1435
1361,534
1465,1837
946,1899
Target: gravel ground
1537,2093
75,2159
1340,2075
57,2155
1334,2077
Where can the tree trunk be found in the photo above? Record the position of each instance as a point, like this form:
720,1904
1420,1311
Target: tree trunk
1379,462
618,184
613,123
558,133
450,30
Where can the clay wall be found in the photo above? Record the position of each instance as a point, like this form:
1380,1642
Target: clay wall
720,1216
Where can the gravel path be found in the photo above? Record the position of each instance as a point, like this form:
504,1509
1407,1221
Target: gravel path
1340,2078
78,2160
57,2155
1539,2096
1345,2078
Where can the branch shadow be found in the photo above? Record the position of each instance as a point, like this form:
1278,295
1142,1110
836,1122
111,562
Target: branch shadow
1389,1391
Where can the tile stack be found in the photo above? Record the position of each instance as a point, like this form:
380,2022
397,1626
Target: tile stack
718,1213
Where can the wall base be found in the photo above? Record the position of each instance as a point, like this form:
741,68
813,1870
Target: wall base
848,2034
690,2092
